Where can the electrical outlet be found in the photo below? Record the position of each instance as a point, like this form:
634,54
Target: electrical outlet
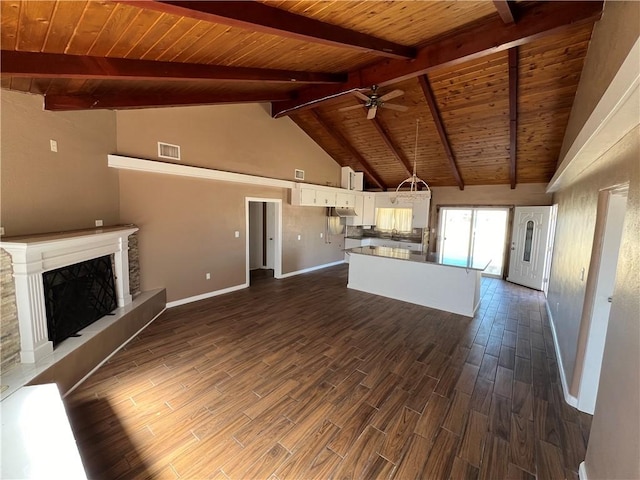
54,145
237,234
299,237
1,231
99,223
321,235
208,276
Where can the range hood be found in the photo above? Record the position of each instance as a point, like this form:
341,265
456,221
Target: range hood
342,212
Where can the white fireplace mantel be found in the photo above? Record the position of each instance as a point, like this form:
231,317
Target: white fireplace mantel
33,255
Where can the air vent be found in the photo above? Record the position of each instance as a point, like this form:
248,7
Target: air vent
299,174
166,150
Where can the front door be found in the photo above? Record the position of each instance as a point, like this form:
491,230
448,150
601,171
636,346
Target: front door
529,246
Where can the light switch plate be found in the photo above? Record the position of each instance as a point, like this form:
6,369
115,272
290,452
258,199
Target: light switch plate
54,145
237,234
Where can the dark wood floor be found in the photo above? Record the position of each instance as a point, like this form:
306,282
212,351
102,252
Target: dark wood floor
303,378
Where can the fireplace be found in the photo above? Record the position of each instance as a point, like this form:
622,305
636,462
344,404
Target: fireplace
78,295
34,256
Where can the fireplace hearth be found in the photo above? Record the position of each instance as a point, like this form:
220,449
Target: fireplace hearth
34,256
78,295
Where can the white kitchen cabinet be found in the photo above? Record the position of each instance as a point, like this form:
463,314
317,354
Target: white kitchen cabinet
311,196
420,213
308,196
368,209
345,200
325,198
359,208
352,243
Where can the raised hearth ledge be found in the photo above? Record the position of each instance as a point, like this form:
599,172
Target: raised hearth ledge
77,357
33,255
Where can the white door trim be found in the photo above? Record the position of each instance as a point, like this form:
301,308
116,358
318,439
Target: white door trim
277,270
600,285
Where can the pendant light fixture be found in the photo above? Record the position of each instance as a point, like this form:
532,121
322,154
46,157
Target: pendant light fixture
413,181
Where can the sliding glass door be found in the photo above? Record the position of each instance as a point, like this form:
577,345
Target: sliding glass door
473,237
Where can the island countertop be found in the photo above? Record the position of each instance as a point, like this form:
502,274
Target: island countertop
411,255
413,277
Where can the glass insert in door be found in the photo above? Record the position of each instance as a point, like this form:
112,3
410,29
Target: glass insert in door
455,236
474,237
489,235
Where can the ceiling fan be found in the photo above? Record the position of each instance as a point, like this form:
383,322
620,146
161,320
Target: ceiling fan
375,101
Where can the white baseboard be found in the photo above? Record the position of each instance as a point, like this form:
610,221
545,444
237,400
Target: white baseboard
202,296
311,269
570,399
112,354
582,472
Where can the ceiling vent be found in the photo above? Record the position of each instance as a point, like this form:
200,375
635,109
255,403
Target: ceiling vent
166,150
299,174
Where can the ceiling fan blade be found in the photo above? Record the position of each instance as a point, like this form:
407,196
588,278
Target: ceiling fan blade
393,106
372,112
351,107
360,95
391,94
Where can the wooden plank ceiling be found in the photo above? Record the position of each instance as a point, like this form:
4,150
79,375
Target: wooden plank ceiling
488,85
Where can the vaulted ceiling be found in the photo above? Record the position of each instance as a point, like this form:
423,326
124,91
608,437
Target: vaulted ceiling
488,85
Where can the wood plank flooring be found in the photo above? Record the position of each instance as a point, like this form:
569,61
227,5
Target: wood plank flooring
302,378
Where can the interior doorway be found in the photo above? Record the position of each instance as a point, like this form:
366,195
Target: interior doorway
599,295
474,236
264,239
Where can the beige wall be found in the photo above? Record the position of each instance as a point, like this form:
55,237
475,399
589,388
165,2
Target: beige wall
483,195
613,36
187,229
235,138
186,225
615,433
614,441
42,191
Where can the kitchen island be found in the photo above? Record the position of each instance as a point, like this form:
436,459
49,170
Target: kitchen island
414,277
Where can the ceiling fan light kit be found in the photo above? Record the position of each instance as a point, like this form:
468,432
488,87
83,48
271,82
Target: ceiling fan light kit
375,101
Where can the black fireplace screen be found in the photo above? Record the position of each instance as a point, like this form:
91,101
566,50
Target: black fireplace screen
78,295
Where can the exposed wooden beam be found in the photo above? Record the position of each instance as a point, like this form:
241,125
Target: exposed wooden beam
54,65
505,10
345,144
131,100
437,119
393,147
536,21
513,114
259,17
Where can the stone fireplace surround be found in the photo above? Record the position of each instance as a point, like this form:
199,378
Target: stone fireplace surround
31,256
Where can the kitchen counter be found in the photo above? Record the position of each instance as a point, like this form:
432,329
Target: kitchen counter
414,277
410,255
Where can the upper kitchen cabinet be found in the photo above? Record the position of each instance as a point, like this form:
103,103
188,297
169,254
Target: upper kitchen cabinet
420,213
313,196
368,209
345,200
365,210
